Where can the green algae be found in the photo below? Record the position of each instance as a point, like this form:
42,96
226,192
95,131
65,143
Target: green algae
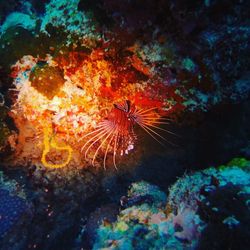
239,162
47,80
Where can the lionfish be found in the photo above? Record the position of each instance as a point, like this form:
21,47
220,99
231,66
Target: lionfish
117,131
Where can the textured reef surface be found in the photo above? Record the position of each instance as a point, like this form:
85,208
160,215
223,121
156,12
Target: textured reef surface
112,113
201,211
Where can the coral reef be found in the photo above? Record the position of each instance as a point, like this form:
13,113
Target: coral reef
73,106
93,85
59,200
15,213
198,203
65,14
18,19
144,223
72,70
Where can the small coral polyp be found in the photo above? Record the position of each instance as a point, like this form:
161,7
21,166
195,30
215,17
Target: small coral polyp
64,99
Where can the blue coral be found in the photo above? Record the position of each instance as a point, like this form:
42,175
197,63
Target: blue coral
12,208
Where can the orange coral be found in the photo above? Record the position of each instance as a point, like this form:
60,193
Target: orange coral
75,91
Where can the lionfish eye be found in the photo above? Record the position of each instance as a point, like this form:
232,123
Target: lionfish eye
132,117
125,107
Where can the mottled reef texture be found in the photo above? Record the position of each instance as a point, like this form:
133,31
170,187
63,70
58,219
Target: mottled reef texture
63,64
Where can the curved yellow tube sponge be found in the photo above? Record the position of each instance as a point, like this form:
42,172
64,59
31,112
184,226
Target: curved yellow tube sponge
49,142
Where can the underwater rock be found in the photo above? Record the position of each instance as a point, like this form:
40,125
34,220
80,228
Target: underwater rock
134,228
17,19
105,214
191,189
215,195
57,200
147,192
66,14
4,130
226,212
60,197
15,43
4,134
196,204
